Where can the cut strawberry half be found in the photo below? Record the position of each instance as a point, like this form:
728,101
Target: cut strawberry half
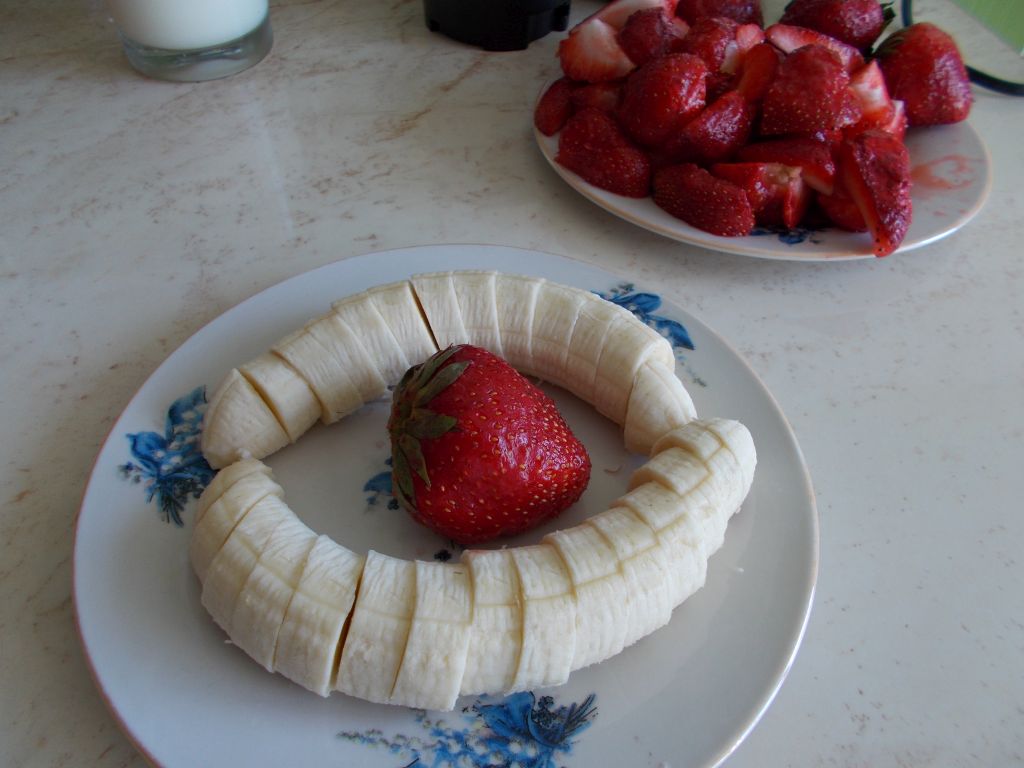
714,205
856,22
809,94
743,11
662,95
875,169
554,107
812,157
594,147
711,38
651,33
603,96
778,194
788,38
618,12
841,210
757,70
716,133
591,53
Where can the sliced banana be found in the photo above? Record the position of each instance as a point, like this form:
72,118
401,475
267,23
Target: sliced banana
435,654
337,362
549,617
223,481
515,301
496,633
309,641
422,633
602,597
239,424
377,634
216,524
267,593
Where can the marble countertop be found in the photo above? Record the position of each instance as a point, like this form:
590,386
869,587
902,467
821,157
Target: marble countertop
133,212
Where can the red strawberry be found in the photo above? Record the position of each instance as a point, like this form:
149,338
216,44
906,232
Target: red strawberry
716,133
841,210
812,157
855,22
868,85
743,11
711,38
757,70
478,450
788,39
617,13
875,169
592,53
554,107
593,146
660,96
923,68
603,96
715,205
778,195
651,33
809,94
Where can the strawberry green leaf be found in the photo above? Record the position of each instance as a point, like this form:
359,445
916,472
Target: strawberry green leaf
440,382
413,453
424,424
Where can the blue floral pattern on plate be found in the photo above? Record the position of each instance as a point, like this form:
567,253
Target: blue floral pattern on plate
793,236
520,730
172,464
644,306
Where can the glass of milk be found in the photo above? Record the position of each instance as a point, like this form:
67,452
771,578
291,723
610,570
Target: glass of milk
192,40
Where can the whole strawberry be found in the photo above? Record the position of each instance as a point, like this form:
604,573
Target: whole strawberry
478,451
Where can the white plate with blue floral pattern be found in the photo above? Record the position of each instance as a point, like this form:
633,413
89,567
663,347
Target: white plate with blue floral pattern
951,172
686,695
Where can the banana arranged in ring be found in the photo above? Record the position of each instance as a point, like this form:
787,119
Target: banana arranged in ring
420,634
573,338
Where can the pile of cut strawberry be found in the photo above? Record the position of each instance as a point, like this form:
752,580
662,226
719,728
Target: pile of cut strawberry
729,125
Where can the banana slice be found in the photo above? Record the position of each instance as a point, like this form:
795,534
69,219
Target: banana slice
658,402
436,295
645,569
332,384
360,312
379,628
335,335
515,300
602,597
397,304
554,319
238,423
475,293
220,518
309,641
627,346
267,593
496,634
231,566
549,617
226,478
593,324
288,395
435,655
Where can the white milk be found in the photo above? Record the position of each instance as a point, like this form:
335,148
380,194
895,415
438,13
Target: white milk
186,24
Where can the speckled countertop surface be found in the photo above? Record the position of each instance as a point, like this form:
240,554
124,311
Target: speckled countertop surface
132,212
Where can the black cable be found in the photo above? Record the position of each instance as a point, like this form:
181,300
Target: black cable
978,77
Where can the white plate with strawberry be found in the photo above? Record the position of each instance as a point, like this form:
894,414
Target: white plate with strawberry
781,142
186,697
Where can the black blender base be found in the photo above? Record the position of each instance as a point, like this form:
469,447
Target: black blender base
497,25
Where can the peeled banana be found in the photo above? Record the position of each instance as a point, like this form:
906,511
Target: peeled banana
421,634
336,363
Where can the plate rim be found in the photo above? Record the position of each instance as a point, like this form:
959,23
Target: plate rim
780,669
